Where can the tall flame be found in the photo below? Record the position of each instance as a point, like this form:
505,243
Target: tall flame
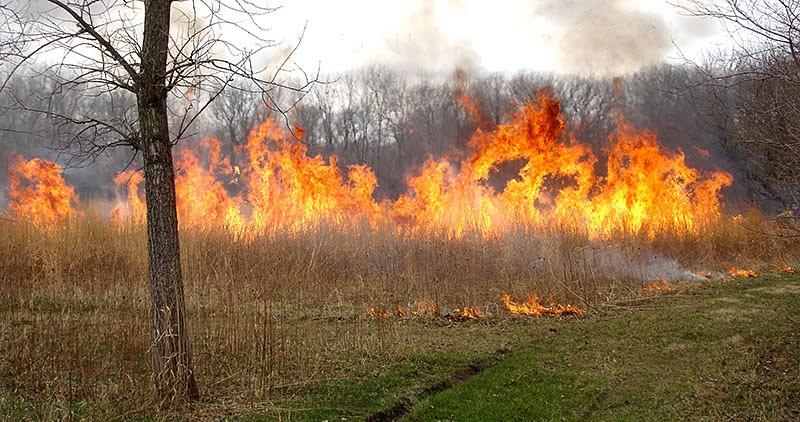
650,189
646,189
134,211
292,191
37,191
202,200
641,188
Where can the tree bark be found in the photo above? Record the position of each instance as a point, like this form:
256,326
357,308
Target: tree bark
171,358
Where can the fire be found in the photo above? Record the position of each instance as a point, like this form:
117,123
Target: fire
38,193
397,312
285,188
292,191
135,209
645,189
377,314
202,200
428,309
438,206
740,273
532,307
467,313
638,187
658,287
423,308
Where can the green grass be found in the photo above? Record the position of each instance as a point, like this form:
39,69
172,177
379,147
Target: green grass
719,351
436,349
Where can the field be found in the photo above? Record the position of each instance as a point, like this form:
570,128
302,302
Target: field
308,297
533,212
348,322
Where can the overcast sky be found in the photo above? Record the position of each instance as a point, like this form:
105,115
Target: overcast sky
602,37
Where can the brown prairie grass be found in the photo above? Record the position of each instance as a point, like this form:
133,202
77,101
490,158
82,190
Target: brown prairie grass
276,314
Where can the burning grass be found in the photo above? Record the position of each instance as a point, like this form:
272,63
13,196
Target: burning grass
658,287
277,315
278,277
740,273
428,309
532,307
645,189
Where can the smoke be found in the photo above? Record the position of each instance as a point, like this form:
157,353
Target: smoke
642,265
425,39
587,37
605,37
600,38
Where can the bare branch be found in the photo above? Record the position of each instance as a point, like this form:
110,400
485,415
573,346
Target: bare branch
90,29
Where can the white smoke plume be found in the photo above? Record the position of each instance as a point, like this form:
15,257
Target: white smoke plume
587,37
605,37
422,41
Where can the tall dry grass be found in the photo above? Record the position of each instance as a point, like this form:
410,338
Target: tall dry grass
282,311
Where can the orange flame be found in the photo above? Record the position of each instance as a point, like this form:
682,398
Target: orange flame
658,287
202,200
740,273
38,193
428,309
398,312
466,313
135,209
377,314
642,188
291,191
532,307
646,190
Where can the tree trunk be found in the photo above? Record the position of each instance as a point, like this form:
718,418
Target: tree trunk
172,363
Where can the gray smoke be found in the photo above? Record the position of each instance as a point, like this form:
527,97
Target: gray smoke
419,42
642,265
605,37
588,37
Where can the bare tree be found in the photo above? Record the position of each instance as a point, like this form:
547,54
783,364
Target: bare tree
169,59
755,25
235,112
758,85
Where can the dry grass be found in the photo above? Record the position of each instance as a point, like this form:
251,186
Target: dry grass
279,313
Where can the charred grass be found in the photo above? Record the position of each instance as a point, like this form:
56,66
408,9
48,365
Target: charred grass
278,323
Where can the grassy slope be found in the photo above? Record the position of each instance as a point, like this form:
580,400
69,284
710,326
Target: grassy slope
720,351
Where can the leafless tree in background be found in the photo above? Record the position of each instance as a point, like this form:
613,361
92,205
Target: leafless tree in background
758,84
235,112
153,62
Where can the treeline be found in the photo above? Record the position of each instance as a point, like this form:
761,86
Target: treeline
720,117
